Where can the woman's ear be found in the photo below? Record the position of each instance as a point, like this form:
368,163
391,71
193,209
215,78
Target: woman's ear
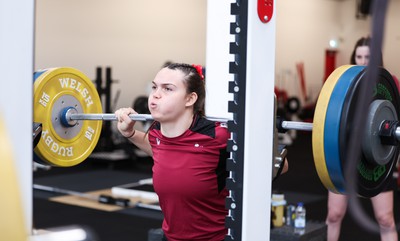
191,99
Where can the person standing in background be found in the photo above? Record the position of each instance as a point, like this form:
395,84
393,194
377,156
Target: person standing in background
383,202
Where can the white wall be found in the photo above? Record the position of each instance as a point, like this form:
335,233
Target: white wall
391,48
351,29
135,37
304,29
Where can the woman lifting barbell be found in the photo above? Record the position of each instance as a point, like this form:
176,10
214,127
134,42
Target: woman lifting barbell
189,154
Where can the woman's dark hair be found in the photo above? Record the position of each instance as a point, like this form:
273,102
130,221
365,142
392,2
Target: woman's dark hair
364,41
194,83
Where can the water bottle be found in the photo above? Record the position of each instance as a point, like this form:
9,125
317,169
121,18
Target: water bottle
300,219
290,215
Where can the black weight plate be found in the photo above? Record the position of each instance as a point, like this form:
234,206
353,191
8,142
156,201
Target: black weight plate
372,178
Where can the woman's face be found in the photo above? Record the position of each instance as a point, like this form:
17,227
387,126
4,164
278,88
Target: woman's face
362,55
168,97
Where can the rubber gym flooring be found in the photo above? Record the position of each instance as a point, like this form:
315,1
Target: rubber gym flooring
300,183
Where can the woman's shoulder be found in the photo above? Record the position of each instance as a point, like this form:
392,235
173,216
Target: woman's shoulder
211,128
222,132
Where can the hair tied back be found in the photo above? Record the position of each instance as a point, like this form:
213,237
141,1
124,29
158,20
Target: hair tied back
199,69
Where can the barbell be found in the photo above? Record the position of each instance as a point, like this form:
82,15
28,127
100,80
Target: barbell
63,97
69,108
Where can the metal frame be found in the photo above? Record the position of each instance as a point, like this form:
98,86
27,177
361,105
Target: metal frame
252,68
16,94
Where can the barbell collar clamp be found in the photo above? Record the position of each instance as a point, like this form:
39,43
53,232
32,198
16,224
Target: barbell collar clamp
389,132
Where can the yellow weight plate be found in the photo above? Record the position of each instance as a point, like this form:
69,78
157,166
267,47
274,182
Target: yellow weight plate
12,218
54,90
319,126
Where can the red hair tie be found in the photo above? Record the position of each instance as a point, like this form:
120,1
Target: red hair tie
199,69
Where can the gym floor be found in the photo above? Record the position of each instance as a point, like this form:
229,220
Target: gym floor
300,183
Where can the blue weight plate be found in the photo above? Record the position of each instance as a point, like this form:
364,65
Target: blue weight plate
332,126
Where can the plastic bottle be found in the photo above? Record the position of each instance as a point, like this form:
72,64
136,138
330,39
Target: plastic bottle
290,215
278,206
300,219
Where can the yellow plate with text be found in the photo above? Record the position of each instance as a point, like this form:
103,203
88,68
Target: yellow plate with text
55,90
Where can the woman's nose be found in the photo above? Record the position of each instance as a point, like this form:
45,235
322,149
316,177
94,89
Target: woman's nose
156,93
365,61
